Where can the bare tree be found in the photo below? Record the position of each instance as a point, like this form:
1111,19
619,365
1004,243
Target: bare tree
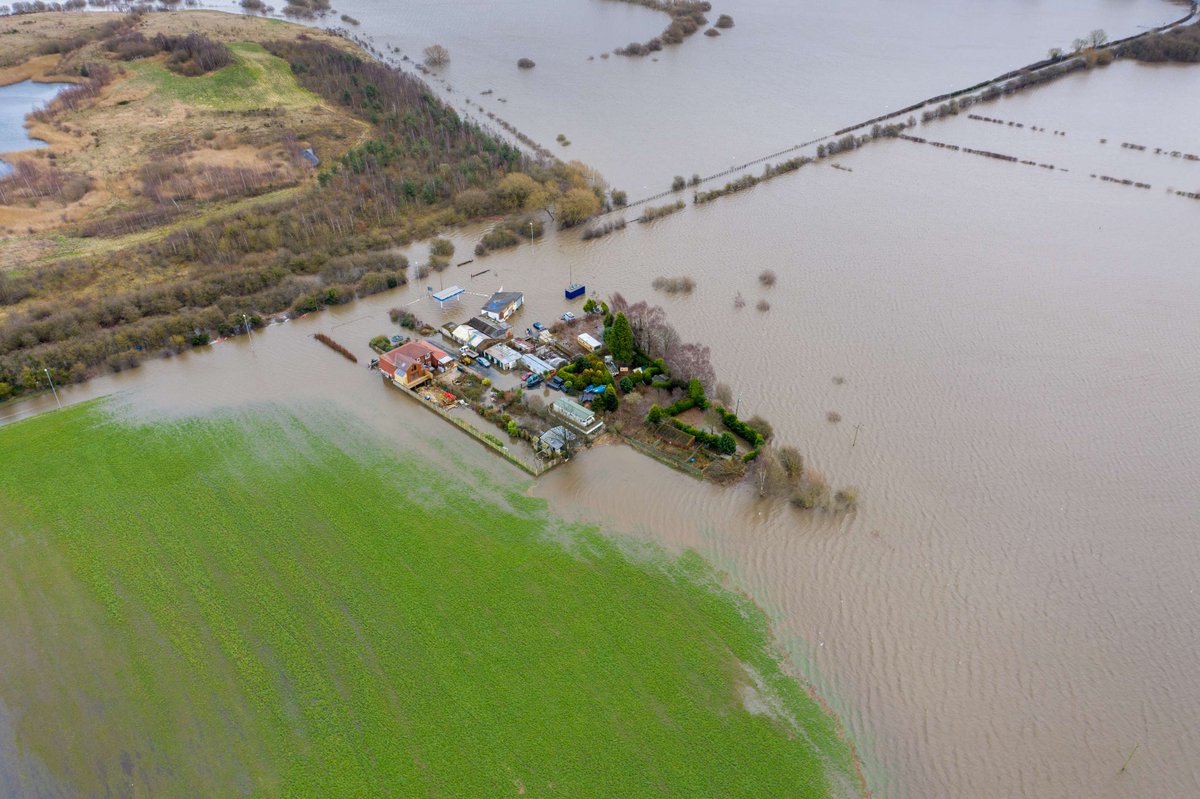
436,56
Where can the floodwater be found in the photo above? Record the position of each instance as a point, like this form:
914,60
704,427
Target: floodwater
16,101
1013,610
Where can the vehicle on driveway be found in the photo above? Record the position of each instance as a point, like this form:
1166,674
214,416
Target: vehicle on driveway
568,317
538,326
533,380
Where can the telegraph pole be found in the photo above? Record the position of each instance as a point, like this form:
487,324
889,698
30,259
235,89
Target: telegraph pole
52,388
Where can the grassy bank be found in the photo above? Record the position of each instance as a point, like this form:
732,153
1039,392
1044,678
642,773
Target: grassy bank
211,607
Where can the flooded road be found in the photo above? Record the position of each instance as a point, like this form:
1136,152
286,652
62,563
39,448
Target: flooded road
1013,609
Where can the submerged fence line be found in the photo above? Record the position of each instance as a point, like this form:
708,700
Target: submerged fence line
1028,69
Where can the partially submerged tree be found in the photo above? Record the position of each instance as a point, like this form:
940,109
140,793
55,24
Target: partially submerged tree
436,56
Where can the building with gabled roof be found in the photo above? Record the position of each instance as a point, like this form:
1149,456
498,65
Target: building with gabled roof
503,304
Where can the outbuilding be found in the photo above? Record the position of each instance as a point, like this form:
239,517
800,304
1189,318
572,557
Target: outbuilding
588,342
537,365
504,357
502,305
556,440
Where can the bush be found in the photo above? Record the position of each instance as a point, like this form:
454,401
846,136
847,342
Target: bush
741,429
525,63
658,211
833,416
846,498
724,21
679,183
763,305
674,285
436,56
442,248
655,416
767,277
619,198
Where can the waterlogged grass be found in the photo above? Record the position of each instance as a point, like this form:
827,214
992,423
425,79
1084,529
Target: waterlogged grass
255,80
239,607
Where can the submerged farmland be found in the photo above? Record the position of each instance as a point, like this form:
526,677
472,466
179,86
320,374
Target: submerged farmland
239,605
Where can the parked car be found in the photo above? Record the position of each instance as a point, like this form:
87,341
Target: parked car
568,317
535,380
556,383
538,326
397,339
483,362
465,360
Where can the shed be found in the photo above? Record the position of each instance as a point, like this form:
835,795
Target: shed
588,342
504,357
556,440
536,364
465,334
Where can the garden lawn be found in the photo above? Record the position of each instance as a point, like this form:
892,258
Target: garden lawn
237,606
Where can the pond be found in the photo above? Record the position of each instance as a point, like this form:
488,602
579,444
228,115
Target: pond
16,101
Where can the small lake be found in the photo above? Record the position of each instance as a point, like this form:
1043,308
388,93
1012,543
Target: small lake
16,101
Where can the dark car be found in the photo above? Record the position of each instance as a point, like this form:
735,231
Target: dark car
556,383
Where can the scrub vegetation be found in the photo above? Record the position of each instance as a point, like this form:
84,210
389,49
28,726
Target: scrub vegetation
266,612
687,17
210,167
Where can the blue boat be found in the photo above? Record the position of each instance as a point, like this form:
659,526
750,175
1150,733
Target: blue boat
575,290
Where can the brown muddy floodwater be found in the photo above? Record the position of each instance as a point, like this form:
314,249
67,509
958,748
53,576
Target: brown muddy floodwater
1013,609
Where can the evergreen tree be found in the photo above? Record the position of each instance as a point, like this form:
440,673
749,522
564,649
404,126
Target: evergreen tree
619,338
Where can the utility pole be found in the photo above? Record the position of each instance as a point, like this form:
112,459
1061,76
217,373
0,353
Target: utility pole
248,333
52,388
855,441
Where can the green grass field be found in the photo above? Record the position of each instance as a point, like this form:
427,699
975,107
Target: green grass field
236,606
254,81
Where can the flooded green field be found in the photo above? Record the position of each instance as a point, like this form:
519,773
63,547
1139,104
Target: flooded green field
266,603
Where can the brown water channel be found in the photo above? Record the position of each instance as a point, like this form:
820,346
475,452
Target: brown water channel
1013,609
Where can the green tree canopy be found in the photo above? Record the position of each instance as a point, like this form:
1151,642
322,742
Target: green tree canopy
619,339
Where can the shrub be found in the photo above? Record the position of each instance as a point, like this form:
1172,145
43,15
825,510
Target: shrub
436,56
763,305
741,429
724,21
655,416
657,211
679,183
846,498
525,63
442,248
619,198
833,416
762,427
674,285
767,277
